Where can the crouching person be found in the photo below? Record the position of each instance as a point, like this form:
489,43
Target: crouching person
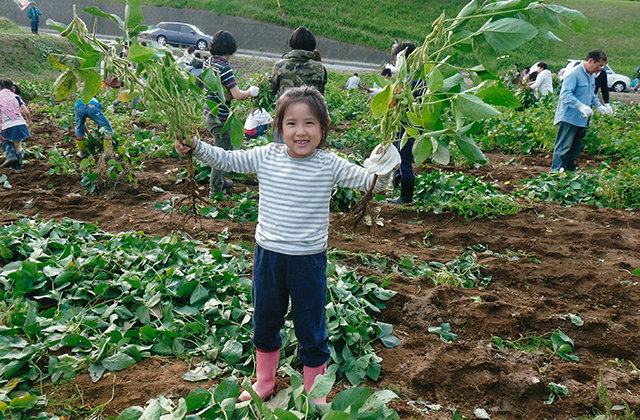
92,110
16,121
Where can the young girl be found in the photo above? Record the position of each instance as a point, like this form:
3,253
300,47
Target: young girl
16,121
296,178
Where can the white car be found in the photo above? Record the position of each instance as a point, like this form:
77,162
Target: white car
616,82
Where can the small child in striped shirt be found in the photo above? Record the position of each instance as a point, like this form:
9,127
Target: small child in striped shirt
290,259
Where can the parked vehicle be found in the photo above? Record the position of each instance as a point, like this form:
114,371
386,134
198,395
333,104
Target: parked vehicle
616,82
177,33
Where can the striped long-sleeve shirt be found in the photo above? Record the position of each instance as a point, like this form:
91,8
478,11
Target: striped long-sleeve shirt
293,212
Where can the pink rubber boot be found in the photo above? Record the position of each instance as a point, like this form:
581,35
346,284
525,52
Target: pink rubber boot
310,374
266,366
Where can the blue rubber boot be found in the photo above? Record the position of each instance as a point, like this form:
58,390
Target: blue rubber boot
18,164
10,153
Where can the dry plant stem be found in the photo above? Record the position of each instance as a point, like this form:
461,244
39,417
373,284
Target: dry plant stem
363,207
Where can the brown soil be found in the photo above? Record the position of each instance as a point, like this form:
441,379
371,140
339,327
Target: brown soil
574,260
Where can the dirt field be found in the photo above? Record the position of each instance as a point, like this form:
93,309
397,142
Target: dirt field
556,261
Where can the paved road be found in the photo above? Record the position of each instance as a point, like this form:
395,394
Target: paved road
330,64
251,35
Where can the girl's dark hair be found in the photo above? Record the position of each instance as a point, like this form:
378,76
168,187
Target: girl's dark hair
313,98
7,83
191,49
302,39
404,45
223,43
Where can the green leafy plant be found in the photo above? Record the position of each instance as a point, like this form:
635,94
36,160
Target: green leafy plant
557,390
444,331
466,195
566,188
609,408
620,188
291,403
558,343
104,302
148,71
563,346
427,83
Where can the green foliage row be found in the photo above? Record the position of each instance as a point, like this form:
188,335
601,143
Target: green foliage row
605,187
468,196
102,302
293,403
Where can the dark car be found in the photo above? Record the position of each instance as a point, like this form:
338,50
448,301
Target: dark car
177,33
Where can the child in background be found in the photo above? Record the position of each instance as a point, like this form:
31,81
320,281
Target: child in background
16,120
92,110
290,260
222,47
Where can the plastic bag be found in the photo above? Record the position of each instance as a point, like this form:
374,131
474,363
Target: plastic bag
257,123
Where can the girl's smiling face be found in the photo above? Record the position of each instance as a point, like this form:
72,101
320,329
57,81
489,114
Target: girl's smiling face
301,130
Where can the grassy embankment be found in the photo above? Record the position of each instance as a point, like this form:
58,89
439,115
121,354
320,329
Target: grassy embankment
374,23
24,55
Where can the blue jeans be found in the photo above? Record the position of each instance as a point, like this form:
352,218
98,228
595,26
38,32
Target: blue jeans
34,27
303,277
90,111
568,146
406,156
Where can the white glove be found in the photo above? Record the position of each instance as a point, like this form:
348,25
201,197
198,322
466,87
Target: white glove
609,110
602,109
586,110
254,90
382,162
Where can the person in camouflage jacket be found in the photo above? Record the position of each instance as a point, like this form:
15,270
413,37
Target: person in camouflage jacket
300,66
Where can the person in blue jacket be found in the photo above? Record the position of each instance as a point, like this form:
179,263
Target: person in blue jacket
574,109
34,14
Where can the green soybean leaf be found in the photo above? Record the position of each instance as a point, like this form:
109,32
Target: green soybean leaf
381,101
508,33
92,82
131,413
577,19
227,389
470,150
505,6
133,14
336,415
284,414
95,11
199,294
25,402
197,399
486,55
497,95
96,372
462,18
118,361
350,399
139,53
232,352
472,107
